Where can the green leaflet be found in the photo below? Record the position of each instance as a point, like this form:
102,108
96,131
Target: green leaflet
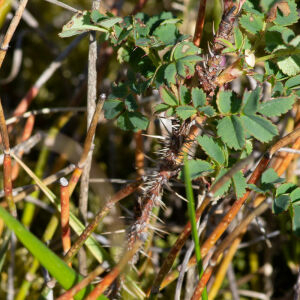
184,112
260,128
252,23
80,22
225,187
132,121
112,108
228,103
212,149
281,204
231,131
277,106
198,97
197,168
293,82
168,97
239,184
250,100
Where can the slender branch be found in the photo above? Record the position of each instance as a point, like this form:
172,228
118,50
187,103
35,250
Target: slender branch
63,5
199,23
64,214
11,30
279,53
87,145
7,167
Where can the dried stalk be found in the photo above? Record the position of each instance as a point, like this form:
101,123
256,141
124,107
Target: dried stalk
7,167
65,214
11,30
87,145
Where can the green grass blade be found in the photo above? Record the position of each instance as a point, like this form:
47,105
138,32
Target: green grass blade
192,217
65,275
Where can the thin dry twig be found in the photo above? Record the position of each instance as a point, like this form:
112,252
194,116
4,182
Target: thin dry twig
109,278
63,5
82,284
11,30
126,191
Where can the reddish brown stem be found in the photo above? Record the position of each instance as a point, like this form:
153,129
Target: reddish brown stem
65,214
199,23
139,153
26,135
139,6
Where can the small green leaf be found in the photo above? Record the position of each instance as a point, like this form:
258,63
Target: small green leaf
161,107
167,34
130,103
112,108
198,97
281,203
252,23
184,93
132,121
212,149
198,168
260,128
110,22
185,68
289,16
225,187
293,82
185,112
208,110
96,16
277,106
168,97
231,131
296,219
170,112
295,196
227,102
238,38
285,188
270,176
256,189
250,100
247,150
80,22
290,65
170,73
239,184
185,49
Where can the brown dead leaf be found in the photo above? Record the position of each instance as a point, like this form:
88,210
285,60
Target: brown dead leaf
283,6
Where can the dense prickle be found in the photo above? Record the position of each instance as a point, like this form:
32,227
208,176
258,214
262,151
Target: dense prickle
214,63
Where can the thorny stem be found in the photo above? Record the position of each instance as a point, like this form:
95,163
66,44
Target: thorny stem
11,30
